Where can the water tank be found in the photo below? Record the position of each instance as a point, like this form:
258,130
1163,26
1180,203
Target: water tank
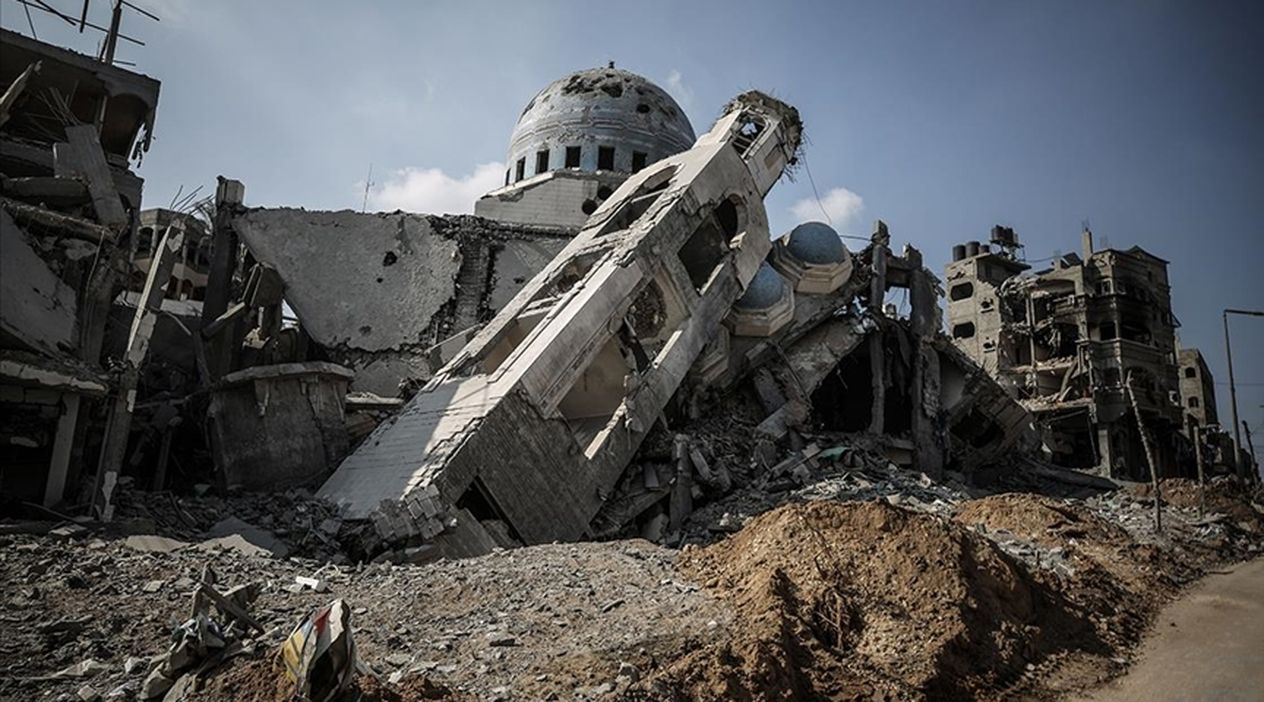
958,252
972,248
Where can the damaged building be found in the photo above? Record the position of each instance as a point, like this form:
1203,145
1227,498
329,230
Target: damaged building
1087,345
70,128
672,295
460,382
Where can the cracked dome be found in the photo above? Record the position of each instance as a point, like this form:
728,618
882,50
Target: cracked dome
816,242
597,119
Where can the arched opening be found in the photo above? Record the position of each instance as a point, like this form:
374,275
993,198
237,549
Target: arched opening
704,251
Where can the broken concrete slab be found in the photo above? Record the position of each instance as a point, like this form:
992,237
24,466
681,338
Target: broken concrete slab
223,532
36,307
153,544
341,269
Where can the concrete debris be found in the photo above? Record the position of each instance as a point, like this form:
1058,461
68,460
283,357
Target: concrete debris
341,269
313,584
153,544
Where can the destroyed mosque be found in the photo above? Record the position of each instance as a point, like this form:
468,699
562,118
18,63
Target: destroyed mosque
555,366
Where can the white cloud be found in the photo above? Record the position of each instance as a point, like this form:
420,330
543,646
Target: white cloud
678,90
172,12
431,191
841,208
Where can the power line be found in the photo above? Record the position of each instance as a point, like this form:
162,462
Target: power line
812,180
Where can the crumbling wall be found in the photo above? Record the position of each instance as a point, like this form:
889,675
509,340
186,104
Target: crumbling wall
293,414
375,291
341,267
36,308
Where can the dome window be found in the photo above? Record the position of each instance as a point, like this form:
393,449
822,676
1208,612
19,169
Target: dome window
605,158
520,169
638,160
541,161
572,157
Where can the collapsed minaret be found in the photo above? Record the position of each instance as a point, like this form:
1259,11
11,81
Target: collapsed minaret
522,436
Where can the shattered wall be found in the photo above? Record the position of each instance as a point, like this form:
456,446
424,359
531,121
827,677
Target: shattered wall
280,425
435,275
36,308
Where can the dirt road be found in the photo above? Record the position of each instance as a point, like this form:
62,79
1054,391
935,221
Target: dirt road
1209,645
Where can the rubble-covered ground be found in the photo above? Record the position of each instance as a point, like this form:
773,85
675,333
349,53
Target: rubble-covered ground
858,581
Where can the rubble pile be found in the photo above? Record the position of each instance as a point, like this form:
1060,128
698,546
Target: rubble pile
826,595
850,468
510,625
1224,495
291,522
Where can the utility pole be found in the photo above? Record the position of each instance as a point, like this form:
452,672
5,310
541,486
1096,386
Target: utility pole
1233,390
1196,431
1247,428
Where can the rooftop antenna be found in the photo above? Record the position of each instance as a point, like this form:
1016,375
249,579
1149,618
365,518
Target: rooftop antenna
112,34
368,183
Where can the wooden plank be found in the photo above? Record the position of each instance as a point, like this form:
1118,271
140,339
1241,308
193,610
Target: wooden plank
83,158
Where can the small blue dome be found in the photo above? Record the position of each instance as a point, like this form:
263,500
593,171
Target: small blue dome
765,289
816,242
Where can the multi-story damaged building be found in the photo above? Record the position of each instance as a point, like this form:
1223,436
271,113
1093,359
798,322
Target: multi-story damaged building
188,272
1213,445
70,127
1198,389
1080,344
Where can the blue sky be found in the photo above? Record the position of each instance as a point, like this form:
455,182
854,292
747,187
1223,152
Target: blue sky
1144,118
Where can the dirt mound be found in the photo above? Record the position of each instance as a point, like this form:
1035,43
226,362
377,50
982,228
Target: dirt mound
1043,520
1115,581
864,600
1225,496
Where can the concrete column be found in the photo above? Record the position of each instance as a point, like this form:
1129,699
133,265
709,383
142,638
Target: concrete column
62,444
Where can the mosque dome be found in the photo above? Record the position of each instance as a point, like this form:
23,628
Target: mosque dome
766,289
599,119
816,243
